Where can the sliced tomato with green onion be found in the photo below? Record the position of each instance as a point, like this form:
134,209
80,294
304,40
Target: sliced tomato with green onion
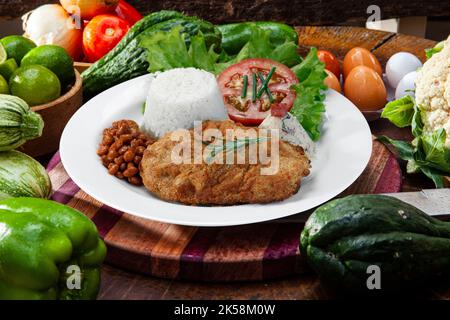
245,95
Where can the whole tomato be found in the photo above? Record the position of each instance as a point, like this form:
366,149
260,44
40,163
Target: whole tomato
127,12
331,63
102,34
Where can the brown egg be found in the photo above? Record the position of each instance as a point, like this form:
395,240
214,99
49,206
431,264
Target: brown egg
365,88
360,57
332,81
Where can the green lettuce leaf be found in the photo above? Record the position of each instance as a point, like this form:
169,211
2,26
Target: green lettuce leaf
437,48
260,46
168,50
400,112
404,149
308,106
434,150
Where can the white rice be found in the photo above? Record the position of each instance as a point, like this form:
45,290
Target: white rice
178,97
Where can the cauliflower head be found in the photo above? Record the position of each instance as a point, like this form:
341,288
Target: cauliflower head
433,92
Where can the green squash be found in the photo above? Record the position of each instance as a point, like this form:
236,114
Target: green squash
18,123
345,237
22,176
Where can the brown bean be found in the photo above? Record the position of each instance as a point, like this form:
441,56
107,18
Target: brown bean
107,139
118,160
123,129
129,155
143,137
126,137
113,169
120,175
130,172
116,145
123,150
112,155
102,150
123,166
137,160
140,150
135,180
130,165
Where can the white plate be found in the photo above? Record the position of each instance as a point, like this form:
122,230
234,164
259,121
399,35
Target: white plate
342,154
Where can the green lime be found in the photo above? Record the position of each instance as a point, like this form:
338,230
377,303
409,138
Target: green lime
7,68
4,89
35,84
54,58
3,54
17,46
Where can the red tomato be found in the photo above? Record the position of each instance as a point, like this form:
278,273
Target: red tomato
331,63
102,34
244,110
127,12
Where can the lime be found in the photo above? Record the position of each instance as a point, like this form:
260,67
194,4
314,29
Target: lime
35,84
7,68
4,89
17,46
54,58
3,54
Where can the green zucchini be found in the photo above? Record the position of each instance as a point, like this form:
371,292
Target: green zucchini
344,237
22,176
129,60
236,35
17,122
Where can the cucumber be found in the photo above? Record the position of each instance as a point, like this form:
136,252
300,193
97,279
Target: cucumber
128,60
344,237
236,35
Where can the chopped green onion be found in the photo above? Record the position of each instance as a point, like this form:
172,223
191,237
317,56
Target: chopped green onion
254,87
244,89
266,83
269,94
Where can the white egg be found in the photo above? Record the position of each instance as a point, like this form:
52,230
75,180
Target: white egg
399,65
406,86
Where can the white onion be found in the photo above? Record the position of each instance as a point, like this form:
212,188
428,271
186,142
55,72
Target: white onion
51,24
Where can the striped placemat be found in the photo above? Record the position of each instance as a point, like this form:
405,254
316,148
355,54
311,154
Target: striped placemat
252,252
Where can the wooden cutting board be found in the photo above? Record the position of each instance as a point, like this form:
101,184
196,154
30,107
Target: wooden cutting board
251,252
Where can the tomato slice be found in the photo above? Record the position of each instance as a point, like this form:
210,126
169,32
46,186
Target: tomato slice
245,110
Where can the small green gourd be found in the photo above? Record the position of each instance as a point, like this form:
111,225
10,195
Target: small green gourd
18,123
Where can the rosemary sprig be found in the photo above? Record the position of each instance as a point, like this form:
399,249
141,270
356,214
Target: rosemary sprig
230,146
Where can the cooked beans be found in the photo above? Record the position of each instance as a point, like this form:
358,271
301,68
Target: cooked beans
121,150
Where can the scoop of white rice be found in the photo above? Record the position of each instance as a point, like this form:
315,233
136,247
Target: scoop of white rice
179,97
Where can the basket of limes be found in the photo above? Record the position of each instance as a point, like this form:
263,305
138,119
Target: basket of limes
45,78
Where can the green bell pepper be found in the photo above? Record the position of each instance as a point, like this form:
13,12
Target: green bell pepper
48,251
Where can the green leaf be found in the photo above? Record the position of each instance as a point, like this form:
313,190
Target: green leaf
436,153
404,149
437,48
437,178
260,46
168,50
416,123
308,106
400,112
